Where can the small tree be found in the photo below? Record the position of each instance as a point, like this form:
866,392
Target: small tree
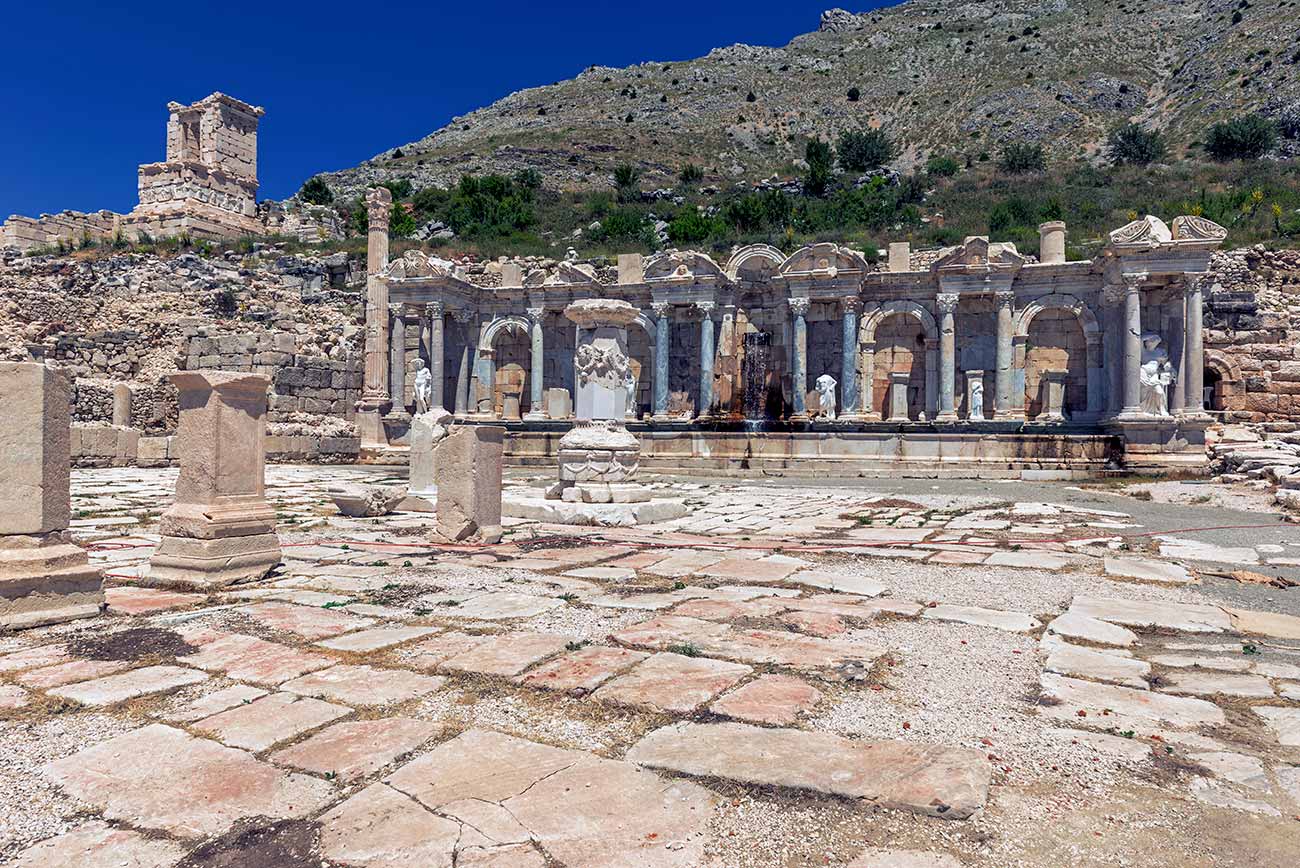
1248,137
854,94
316,192
863,150
691,175
1134,145
1019,158
401,221
820,159
626,179
941,166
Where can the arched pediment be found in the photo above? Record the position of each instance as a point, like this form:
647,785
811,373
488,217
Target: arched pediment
415,264
825,260
682,266
977,253
1192,228
565,274
754,261
1148,231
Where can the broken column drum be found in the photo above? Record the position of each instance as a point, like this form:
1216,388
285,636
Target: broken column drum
220,529
599,457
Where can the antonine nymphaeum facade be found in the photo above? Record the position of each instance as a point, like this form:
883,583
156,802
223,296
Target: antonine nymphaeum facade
984,355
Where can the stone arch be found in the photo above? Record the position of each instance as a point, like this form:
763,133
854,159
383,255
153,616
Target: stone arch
506,353
1223,376
641,352
871,319
1084,382
499,326
1087,319
765,256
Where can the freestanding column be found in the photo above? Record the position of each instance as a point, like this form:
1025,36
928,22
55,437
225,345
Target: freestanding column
849,360
1193,344
536,363
947,304
707,353
437,350
663,324
1113,347
397,362
374,394
45,578
1132,333
462,318
219,529
1003,375
799,364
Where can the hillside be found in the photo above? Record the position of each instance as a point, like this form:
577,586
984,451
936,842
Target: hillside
943,76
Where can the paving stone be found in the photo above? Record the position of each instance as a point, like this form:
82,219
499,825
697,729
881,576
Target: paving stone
1075,626
507,856
248,658
1161,572
1285,723
1071,695
502,605
682,564
357,749
932,780
580,672
432,653
507,654
381,827
833,581
190,787
729,610
749,570
143,601
822,624
374,640
364,685
889,535
905,608
879,857
215,703
270,720
961,559
1269,624
1029,559
1072,660
1204,683
1276,670
748,646
1131,749
1289,691
1185,661
1289,778
672,682
32,658
1235,767
487,823
12,696
307,622
1015,622
609,574
69,673
775,699
1184,617
98,845
128,685
1192,550
613,814
1214,793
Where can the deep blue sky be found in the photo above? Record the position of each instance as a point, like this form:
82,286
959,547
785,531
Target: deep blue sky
87,83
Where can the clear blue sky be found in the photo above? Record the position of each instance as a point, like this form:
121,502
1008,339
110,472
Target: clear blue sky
87,83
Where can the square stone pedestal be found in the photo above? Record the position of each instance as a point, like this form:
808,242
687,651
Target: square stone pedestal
1162,443
468,462
46,579
220,529
898,385
1052,386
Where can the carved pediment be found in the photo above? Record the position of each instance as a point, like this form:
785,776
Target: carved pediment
754,261
686,266
565,274
414,264
825,260
1192,228
978,254
1148,231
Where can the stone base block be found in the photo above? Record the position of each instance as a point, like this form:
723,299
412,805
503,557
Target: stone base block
606,492
592,514
419,501
468,462
212,563
46,579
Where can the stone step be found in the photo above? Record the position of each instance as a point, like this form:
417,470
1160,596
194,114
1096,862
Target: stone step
936,781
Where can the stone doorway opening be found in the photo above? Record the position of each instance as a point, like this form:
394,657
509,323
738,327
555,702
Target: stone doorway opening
762,387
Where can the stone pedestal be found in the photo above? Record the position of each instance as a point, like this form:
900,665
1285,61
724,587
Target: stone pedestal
220,529
898,385
1052,384
45,578
468,466
427,430
559,405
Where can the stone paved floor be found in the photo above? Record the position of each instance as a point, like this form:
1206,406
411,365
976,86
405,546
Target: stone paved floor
793,675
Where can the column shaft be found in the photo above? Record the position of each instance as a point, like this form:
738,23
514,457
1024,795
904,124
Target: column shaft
397,362
849,359
663,323
1003,375
707,352
799,364
947,358
1132,335
463,370
537,362
1194,346
437,350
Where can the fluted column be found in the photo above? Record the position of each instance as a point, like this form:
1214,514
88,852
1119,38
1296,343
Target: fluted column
707,353
663,337
947,305
537,363
1112,299
799,360
463,372
374,394
1194,344
397,361
434,310
849,359
1005,356
1132,335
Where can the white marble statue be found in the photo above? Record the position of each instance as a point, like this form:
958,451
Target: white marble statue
976,404
423,387
1155,374
629,386
826,394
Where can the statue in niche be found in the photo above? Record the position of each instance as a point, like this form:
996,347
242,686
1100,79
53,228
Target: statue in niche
629,386
423,387
826,395
976,413
1155,375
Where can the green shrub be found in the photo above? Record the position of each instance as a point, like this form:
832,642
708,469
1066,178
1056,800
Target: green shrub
692,227
401,222
625,225
1134,145
690,175
820,159
401,188
1248,137
862,150
942,166
854,94
626,179
1019,158
316,192
759,212
490,205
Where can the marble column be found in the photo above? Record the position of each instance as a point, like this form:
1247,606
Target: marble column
536,363
799,360
1004,356
397,362
1194,343
869,381
1112,298
947,306
374,394
663,337
463,372
849,358
708,352
437,349
1132,345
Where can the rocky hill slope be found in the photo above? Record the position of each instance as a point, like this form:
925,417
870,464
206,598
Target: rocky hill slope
951,76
